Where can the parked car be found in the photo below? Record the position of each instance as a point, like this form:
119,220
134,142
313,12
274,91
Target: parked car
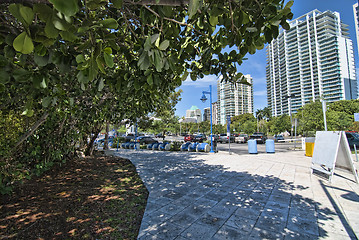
160,135
188,138
259,137
129,137
241,138
278,137
200,138
223,138
353,138
145,140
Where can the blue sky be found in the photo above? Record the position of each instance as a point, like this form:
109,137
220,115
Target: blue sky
255,65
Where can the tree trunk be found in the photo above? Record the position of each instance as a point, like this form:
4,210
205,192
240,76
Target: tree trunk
105,145
90,145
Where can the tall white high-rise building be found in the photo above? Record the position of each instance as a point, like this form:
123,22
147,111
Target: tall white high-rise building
193,115
233,99
356,21
314,60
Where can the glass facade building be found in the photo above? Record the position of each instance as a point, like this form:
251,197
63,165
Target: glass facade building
314,60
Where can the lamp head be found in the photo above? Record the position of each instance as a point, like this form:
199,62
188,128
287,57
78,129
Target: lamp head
203,98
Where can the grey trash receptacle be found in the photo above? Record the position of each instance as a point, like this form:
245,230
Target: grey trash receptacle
252,146
270,146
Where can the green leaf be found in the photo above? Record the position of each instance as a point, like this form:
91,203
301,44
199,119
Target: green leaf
44,12
80,58
245,17
93,69
154,38
71,100
193,8
27,14
46,101
43,83
101,85
50,30
15,11
41,60
213,20
23,43
2,87
60,24
289,4
150,80
109,23
164,45
68,36
28,112
82,78
117,3
184,76
100,64
158,62
108,50
67,7
4,77
108,59
147,45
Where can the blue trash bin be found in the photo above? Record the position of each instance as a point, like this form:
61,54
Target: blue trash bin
192,147
184,147
252,146
270,146
203,147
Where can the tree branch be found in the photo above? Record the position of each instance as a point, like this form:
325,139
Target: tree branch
32,130
160,2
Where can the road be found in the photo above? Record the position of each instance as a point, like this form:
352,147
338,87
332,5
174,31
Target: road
242,148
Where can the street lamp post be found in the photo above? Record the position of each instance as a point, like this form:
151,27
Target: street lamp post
290,112
204,99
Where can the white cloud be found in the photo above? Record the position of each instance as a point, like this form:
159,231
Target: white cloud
260,93
202,82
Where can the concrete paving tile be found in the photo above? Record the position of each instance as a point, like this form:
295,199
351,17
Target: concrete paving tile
242,224
303,213
217,194
152,206
331,225
197,231
291,235
183,219
304,226
271,224
167,231
278,214
230,233
259,196
156,217
247,184
223,209
172,209
211,220
173,195
280,198
277,205
258,233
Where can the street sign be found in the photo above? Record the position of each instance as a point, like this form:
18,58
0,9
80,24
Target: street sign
331,150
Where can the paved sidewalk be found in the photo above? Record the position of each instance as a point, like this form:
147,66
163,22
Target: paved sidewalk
222,196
